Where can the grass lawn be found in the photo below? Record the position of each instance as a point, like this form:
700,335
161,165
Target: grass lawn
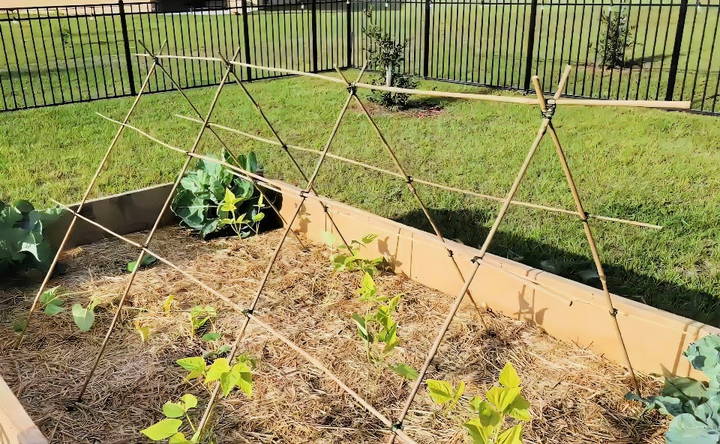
647,165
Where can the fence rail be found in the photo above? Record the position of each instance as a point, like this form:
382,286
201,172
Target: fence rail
670,49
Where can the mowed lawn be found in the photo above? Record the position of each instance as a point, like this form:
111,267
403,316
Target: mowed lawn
646,165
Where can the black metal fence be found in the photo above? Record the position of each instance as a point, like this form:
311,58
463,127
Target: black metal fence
669,49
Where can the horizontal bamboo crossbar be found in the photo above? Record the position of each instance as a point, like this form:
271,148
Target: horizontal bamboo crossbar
262,324
661,104
415,179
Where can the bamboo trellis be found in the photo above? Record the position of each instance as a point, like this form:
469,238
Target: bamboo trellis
393,426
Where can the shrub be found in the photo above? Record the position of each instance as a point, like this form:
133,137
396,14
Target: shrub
616,39
386,56
210,198
23,244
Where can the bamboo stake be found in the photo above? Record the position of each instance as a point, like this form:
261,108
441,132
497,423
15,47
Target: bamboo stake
661,104
426,182
413,191
478,260
304,195
84,199
150,235
265,326
586,228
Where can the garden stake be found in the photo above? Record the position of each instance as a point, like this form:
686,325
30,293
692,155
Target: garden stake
302,352
422,181
256,105
84,199
276,252
413,191
479,258
179,89
150,235
586,227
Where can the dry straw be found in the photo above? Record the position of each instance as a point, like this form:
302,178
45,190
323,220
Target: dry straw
393,427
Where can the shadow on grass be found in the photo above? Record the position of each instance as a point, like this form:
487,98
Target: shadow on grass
471,226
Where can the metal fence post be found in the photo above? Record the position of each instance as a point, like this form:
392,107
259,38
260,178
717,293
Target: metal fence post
679,30
126,45
530,45
246,38
349,34
314,37
426,41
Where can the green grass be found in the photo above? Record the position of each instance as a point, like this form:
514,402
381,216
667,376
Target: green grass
646,165
478,43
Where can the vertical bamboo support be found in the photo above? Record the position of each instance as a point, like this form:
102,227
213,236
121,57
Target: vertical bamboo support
411,187
478,259
85,196
151,234
583,216
250,310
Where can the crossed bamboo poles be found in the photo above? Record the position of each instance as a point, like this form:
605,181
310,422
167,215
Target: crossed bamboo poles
395,427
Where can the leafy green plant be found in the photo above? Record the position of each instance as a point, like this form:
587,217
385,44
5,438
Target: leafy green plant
84,317
147,260
239,375
51,302
349,259
210,198
501,402
694,405
176,415
23,244
386,56
616,39
201,315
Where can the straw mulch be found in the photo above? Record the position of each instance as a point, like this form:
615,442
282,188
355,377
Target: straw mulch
575,395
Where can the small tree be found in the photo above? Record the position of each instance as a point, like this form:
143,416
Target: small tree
616,39
386,56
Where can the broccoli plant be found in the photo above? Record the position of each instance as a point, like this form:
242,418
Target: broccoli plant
501,402
694,405
23,243
210,198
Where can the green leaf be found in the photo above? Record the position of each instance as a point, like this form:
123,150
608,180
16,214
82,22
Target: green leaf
189,401
405,371
229,201
209,337
686,429
513,435
147,260
502,397
173,410
143,331
195,365
84,317
179,438
167,303
440,391
486,413
368,238
257,217
329,239
509,377
218,368
520,409
50,300
163,429
362,327
479,433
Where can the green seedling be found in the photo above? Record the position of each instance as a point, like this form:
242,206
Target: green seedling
147,261
84,317
238,375
51,302
176,417
349,259
201,315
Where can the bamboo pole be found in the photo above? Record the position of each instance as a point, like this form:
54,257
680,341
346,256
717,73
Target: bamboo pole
304,195
423,181
84,199
251,317
661,104
478,260
151,234
586,228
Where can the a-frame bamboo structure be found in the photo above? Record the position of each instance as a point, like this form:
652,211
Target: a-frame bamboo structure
394,426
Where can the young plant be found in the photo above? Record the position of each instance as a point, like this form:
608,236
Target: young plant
694,405
170,427
386,56
23,245
51,302
503,401
239,375
84,317
147,261
210,198
201,315
378,327
349,259
616,39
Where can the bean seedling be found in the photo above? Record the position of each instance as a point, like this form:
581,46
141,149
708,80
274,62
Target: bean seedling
176,414
201,315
